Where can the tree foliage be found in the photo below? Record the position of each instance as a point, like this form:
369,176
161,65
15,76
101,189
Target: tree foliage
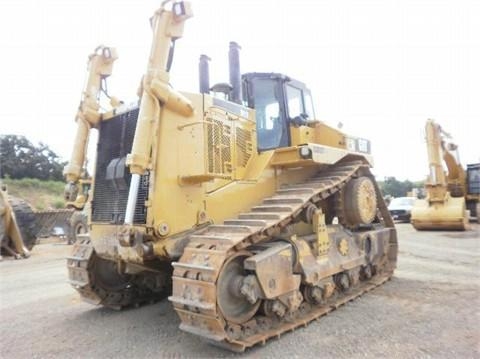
395,188
20,158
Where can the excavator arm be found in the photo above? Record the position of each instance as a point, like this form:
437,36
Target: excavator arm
436,185
456,177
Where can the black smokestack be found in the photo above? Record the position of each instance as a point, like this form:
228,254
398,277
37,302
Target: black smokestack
204,74
235,74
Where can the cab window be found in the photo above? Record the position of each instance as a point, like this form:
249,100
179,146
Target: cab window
272,131
299,102
307,98
295,103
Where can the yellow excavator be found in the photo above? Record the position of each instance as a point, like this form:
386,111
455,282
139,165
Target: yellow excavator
451,197
17,226
254,216
76,193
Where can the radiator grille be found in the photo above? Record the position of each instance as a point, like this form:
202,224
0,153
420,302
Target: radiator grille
244,146
110,198
219,155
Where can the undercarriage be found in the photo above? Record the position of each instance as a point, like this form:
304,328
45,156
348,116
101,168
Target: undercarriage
303,252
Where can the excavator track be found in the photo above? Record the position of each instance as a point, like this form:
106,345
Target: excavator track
196,274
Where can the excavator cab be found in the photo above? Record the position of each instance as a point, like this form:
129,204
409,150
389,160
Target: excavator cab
279,102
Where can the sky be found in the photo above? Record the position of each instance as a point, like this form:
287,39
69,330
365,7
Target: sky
380,67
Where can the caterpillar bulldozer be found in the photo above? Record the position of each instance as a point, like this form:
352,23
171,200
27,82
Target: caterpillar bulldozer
451,197
255,217
17,226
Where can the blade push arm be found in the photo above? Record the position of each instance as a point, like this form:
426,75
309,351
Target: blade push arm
100,65
156,93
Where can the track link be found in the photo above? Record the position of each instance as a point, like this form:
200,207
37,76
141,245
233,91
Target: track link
84,274
196,273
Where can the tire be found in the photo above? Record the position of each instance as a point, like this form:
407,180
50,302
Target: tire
78,225
26,221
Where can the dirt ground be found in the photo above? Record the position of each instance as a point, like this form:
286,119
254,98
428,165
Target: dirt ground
431,308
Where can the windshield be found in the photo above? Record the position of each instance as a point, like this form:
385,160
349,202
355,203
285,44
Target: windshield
271,129
402,201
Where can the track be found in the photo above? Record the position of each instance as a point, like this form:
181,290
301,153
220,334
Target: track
196,273
98,282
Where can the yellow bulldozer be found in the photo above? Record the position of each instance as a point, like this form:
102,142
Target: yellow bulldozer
451,197
255,217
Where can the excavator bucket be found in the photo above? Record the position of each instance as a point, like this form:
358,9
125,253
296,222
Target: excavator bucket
448,215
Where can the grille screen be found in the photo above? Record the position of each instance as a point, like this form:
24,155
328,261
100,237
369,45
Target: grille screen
218,147
244,146
110,196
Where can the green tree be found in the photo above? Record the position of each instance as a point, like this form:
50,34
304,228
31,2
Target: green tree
395,188
20,158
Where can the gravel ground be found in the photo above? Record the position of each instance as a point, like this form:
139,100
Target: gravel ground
431,308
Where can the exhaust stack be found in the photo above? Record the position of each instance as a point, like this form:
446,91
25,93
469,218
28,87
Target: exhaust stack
235,74
204,74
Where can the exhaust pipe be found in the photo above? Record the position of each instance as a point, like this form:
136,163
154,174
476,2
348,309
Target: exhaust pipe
235,74
204,74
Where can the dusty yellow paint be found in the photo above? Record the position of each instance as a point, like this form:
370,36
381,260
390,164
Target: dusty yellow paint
323,241
202,156
100,66
442,209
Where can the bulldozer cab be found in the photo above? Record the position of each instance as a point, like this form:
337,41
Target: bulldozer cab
279,102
